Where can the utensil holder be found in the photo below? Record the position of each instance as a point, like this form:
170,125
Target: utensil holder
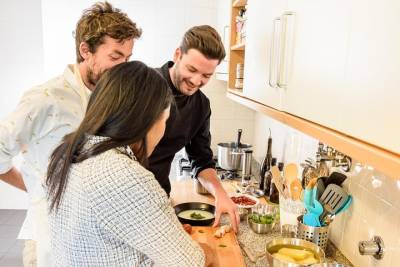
317,235
290,210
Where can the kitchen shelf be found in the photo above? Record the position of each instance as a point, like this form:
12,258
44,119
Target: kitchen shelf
239,3
237,51
238,47
383,160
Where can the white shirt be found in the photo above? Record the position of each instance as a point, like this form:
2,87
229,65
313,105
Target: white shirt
113,212
43,116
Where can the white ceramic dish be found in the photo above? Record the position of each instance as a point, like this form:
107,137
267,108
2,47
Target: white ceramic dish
256,200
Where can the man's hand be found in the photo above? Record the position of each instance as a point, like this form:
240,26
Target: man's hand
223,204
14,178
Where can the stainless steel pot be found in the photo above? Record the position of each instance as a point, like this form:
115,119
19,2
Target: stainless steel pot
230,155
275,262
200,189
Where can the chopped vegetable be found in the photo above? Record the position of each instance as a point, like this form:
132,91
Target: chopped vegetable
263,219
188,228
243,200
222,230
196,216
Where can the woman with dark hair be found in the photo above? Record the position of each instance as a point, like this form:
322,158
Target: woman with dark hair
106,209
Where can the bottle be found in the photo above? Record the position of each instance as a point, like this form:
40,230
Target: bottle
274,193
266,164
268,178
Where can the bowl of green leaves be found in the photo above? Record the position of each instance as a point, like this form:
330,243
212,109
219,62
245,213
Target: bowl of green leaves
262,218
195,213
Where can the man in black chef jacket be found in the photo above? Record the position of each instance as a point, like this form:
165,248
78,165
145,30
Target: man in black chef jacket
195,61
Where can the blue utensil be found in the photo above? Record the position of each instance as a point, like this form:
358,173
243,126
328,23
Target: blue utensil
346,205
313,207
310,220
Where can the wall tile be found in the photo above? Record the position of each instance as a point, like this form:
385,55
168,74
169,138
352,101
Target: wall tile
376,198
395,262
336,229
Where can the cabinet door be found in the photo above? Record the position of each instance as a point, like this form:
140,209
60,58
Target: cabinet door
315,89
259,77
223,28
372,97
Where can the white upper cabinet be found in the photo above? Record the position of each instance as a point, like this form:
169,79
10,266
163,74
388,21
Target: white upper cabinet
262,51
223,28
372,93
315,88
334,63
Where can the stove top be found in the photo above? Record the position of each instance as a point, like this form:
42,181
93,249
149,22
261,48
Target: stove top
185,166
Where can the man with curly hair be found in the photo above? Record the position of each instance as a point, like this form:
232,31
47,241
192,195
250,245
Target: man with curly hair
104,37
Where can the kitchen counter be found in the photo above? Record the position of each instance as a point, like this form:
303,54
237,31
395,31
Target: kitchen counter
183,191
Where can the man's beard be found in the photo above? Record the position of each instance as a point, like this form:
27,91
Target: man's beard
179,82
92,78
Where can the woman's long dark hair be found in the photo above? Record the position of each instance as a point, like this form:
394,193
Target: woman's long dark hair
128,99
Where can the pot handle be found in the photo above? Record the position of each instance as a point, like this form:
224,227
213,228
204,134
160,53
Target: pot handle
239,136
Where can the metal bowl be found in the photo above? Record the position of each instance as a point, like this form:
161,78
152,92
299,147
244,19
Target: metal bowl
243,213
328,264
273,261
260,228
195,206
261,212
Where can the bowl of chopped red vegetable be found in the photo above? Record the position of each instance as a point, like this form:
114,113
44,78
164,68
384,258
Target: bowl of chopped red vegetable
244,200
195,213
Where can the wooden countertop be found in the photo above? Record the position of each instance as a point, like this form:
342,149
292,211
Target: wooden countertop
227,250
184,191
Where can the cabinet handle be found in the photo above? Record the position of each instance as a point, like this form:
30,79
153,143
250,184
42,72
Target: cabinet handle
273,55
285,48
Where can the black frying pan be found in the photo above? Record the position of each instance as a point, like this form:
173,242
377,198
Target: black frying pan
195,206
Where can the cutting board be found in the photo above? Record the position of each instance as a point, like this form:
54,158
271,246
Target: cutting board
227,250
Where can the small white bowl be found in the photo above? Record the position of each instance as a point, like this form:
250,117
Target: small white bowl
256,200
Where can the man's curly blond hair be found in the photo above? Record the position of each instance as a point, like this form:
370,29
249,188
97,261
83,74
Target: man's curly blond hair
101,20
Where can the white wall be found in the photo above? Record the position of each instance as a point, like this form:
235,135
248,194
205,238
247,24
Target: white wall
376,206
21,49
163,24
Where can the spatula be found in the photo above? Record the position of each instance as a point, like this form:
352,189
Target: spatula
335,197
335,178
277,180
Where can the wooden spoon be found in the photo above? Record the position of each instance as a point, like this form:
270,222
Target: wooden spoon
295,189
290,174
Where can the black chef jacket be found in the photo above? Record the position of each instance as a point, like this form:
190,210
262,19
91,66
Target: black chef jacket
188,126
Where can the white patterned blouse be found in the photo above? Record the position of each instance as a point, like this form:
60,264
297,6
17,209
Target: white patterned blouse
114,213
